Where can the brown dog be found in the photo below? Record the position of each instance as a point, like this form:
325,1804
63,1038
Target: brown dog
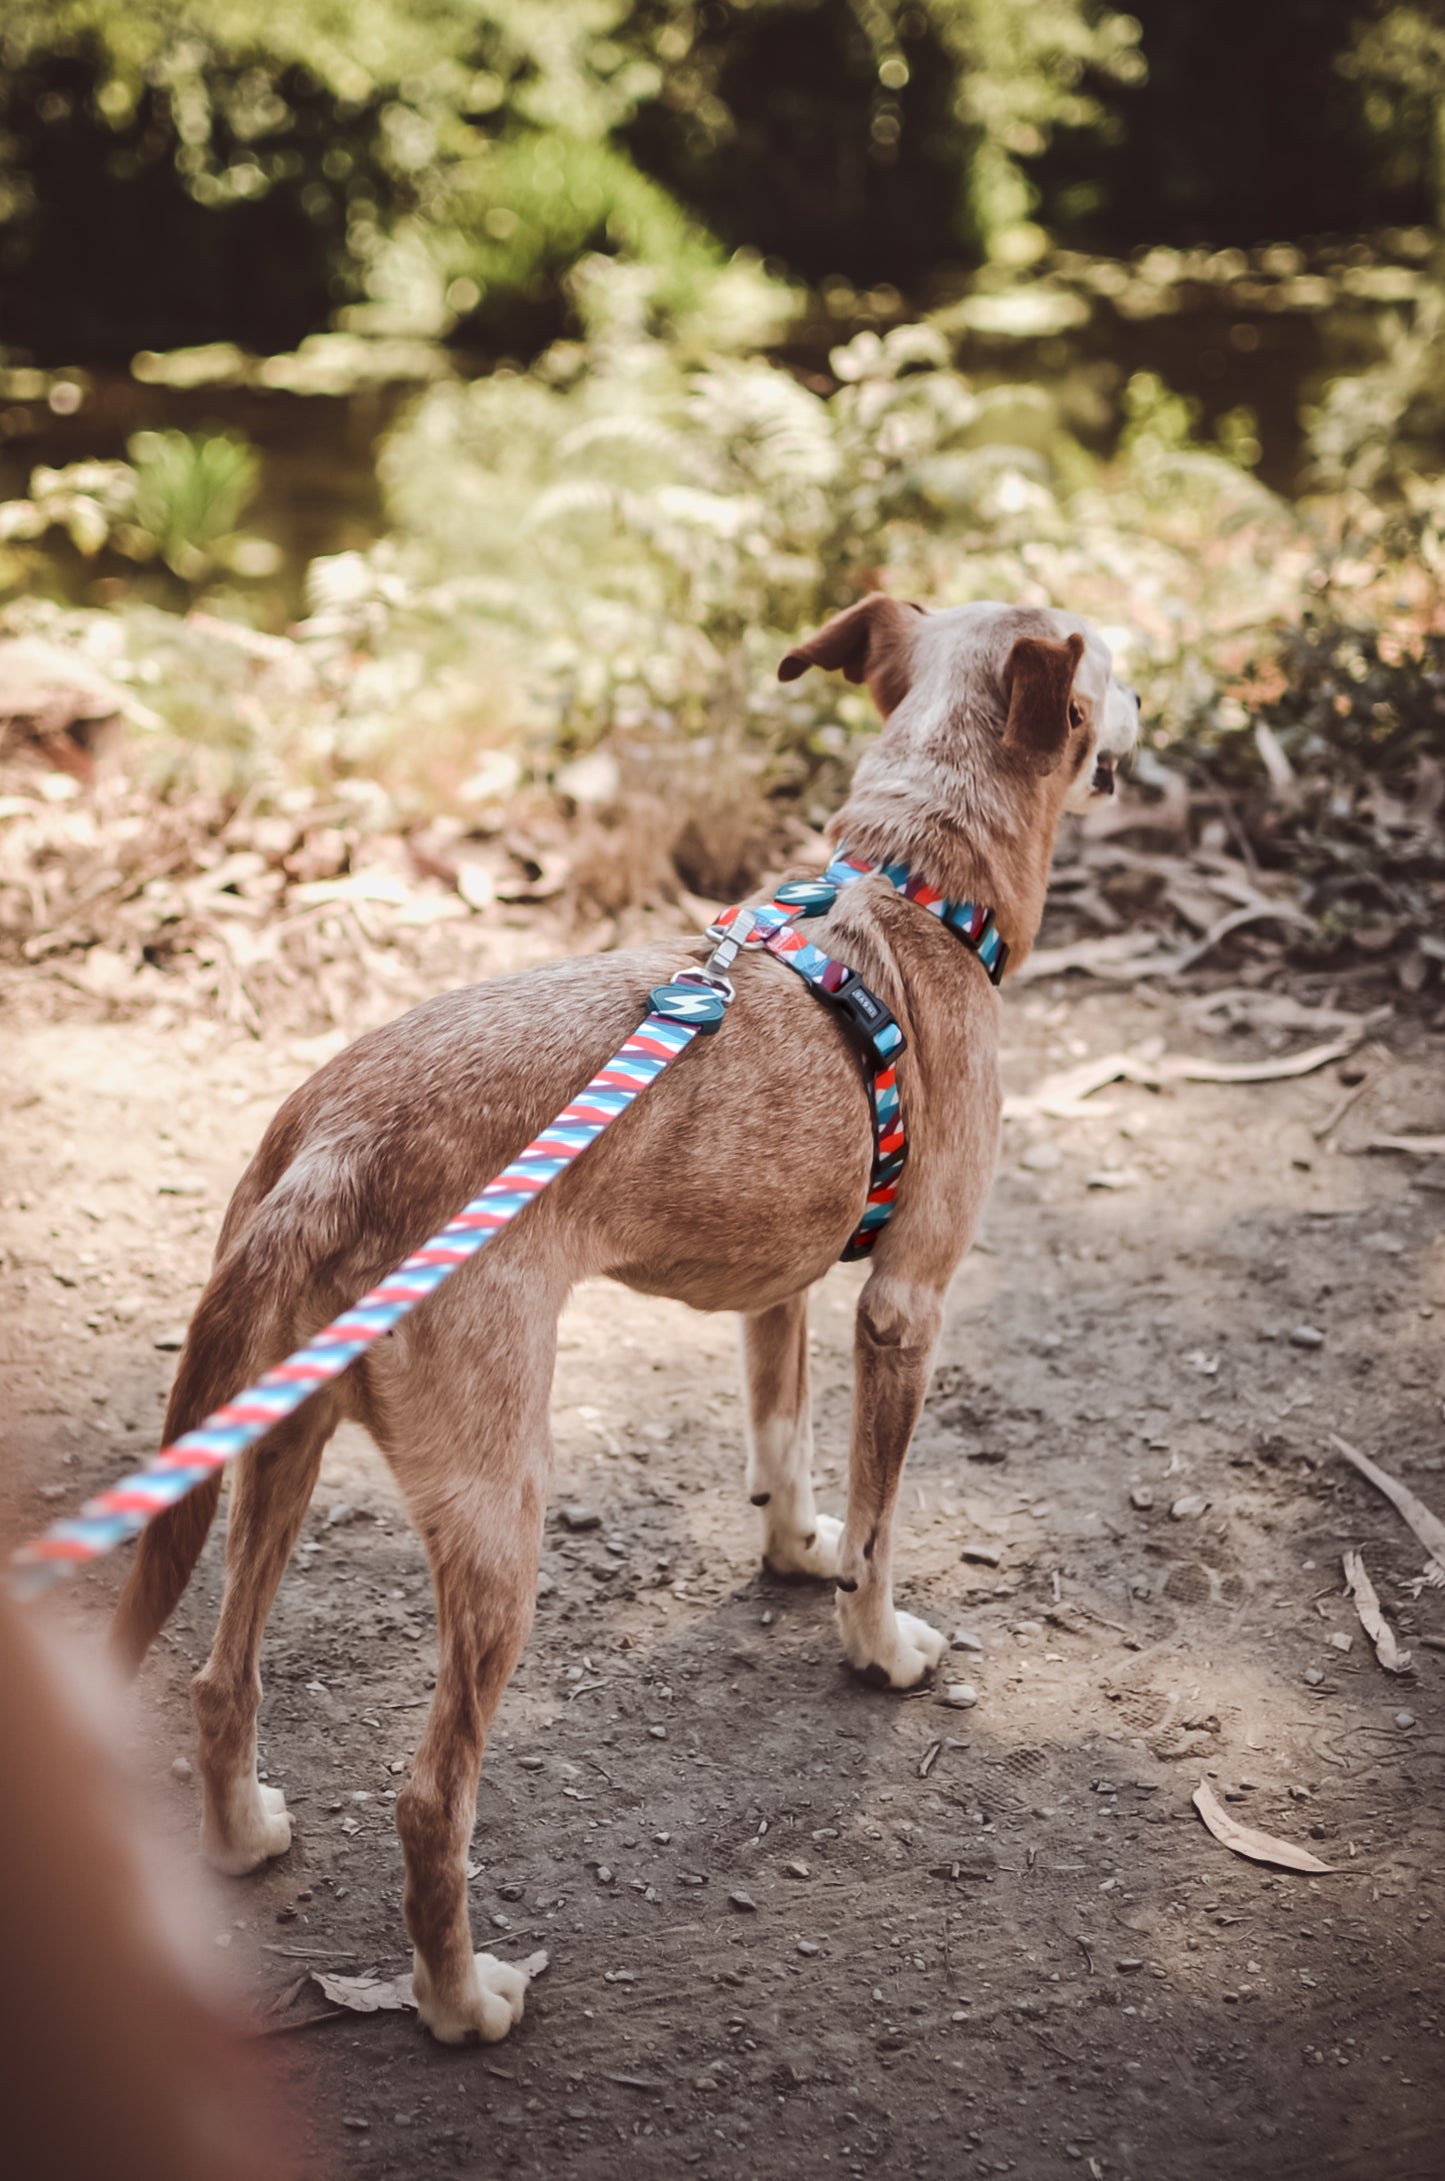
998,718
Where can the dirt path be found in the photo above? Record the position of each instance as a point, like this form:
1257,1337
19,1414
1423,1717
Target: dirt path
797,1927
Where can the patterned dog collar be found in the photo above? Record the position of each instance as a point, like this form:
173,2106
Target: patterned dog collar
970,921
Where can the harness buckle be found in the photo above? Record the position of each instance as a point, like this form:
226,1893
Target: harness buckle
865,1015
731,938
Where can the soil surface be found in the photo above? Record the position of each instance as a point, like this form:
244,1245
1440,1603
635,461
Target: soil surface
796,1926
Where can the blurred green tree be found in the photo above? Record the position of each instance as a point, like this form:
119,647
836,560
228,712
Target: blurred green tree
179,171
1254,124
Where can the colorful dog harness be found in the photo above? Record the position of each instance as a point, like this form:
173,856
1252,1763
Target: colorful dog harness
868,1022
694,1002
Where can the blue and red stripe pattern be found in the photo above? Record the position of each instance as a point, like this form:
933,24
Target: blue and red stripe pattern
969,920
774,928
122,1512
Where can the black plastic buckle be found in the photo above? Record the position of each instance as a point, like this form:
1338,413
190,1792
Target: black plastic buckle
863,1012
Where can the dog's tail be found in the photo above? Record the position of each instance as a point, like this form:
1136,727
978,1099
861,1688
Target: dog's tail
245,1322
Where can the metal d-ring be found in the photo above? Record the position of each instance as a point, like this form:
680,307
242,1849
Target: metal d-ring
712,978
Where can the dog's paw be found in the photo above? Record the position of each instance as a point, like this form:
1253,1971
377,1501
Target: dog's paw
257,1827
895,1651
810,1555
488,2010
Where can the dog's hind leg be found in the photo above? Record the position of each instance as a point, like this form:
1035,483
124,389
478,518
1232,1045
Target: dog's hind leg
475,1466
898,1323
243,1822
797,1540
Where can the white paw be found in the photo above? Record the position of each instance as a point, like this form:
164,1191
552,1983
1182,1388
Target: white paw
895,1650
257,1827
809,1553
492,2006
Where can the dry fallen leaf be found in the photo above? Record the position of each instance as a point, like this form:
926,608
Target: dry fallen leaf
390,1995
367,1995
1244,1840
1372,1620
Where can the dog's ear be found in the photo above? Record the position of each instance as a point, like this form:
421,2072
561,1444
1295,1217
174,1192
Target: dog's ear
871,642
1038,681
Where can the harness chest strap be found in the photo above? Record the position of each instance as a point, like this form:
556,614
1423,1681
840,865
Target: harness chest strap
872,1026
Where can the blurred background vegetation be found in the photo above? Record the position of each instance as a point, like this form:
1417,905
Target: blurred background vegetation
425,397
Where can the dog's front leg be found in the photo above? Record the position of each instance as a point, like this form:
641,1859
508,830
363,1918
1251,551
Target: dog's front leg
898,1323
797,1540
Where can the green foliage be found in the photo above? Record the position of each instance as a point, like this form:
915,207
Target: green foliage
88,501
191,491
180,499
1375,434
451,162
1024,69
641,533
1397,60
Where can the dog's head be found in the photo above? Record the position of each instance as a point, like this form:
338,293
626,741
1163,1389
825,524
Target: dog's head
1039,683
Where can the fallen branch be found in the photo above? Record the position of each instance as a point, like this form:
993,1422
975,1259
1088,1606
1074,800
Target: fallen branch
1059,1095
1420,1147
1128,956
1261,1071
1282,912
1427,1527
1096,957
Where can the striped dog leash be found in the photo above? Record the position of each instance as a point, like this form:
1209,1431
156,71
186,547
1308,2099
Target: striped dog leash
693,1003
679,1012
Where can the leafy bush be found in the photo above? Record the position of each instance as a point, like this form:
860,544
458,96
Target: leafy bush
180,499
191,490
645,531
